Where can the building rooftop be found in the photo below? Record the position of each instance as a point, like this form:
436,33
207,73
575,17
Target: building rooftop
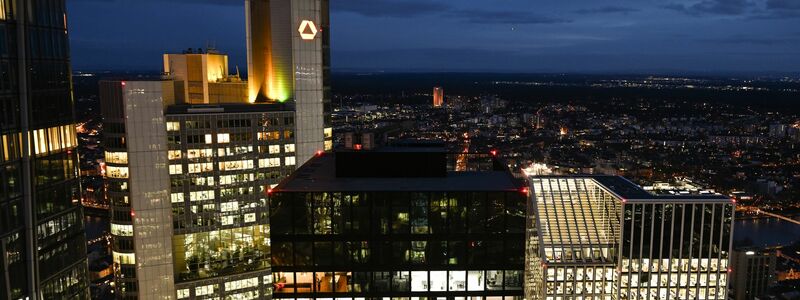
320,174
630,192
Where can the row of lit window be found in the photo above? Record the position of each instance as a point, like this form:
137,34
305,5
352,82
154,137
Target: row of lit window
123,258
42,142
121,229
229,287
675,265
398,281
223,166
57,225
116,172
116,157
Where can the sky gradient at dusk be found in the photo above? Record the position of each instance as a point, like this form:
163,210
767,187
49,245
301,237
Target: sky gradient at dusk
466,35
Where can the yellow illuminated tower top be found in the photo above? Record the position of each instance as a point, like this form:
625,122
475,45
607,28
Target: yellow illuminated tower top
204,79
269,51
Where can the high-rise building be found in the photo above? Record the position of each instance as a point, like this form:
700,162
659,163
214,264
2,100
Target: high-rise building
41,224
604,237
438,96
400,223
288,57
187,186
752,273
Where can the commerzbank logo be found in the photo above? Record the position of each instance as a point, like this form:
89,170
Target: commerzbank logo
308,31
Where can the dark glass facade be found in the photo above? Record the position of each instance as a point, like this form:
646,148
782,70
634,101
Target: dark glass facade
397,244
41,229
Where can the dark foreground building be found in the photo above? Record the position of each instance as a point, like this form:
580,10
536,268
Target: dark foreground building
41,226
398,222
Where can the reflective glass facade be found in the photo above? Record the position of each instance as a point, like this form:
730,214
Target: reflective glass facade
603,237
41,230
400,244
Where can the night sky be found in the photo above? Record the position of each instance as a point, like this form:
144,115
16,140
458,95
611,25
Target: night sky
627,36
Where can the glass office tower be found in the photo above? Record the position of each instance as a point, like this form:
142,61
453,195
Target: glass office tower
397,223
41,225
604,237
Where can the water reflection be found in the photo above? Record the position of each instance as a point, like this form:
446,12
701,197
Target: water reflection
766,232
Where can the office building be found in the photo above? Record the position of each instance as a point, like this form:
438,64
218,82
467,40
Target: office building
187,186
438,96
398,222
752,273
288,57
41,223
604,237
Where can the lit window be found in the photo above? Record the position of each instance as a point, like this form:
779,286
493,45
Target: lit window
175,169
227,220
290,161
176,197
116,172
201,167
196,153
288,148
121,230
269,162
201,195
249,218
475,280
209,139
274,149
173,126
204,290
419,281
328,132
124,258
438,281
328,145
236,165
457,280
117,157
241,284
229,206
174,154
183,293
223,138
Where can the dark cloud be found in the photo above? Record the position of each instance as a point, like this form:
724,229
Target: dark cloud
713,7
783,4
753,40
504,17
606,10
388,8
412,8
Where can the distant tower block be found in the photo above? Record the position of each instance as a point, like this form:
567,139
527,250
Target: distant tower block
438,96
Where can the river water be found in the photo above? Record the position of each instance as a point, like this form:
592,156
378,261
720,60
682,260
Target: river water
766,231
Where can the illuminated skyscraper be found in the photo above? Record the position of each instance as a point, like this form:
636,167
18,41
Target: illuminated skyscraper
187,186
400,223
42,243
288,59
438,96
603,237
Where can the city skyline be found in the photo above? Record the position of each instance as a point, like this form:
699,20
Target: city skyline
711,36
